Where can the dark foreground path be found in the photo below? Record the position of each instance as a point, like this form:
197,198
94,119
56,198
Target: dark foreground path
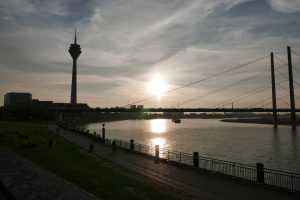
25,180
205,185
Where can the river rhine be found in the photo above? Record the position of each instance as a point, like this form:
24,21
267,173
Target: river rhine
237,142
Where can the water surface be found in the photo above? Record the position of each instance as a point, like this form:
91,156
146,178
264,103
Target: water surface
242,143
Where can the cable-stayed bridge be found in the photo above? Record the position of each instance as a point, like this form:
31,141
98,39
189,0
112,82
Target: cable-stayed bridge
259,106
258,110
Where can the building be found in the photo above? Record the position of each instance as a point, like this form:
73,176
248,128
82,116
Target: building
132,106
69,106
53,105
141,107
41,103
16,97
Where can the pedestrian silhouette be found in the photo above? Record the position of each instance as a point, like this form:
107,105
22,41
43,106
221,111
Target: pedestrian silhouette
50,143
114,145
91,150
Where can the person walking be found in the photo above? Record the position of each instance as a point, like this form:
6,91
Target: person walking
114,145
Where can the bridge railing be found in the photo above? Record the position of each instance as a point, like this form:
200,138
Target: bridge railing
282,179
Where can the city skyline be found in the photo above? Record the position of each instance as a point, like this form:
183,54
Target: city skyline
127,43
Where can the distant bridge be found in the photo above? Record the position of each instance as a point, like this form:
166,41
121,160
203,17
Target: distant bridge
145,110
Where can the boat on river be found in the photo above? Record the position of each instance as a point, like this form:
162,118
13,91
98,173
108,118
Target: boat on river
176,120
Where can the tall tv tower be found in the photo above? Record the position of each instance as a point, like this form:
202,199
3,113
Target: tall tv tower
74,51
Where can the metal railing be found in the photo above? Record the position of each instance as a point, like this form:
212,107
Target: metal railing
282,179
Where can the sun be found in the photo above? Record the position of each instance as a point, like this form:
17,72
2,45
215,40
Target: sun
157,86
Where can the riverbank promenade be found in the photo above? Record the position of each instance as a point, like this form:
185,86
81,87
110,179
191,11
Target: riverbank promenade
204,185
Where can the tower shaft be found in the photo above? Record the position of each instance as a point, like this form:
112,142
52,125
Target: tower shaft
74,83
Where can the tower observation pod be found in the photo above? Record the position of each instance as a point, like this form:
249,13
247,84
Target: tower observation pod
74,51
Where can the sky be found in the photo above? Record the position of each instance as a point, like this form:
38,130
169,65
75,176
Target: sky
127,43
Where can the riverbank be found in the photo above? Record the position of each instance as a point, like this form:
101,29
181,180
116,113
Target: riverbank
269,121
87,170
198,181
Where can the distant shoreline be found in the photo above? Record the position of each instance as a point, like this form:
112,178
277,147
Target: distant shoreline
255,120
267,121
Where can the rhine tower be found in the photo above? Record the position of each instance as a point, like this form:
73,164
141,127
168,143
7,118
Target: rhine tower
74,51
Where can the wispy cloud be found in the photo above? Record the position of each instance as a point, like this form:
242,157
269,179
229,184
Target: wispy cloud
287,6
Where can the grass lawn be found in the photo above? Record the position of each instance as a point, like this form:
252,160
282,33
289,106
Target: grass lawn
92,173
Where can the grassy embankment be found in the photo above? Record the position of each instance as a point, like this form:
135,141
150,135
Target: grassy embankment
98,176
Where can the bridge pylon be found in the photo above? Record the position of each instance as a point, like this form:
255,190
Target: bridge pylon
273,89
291,85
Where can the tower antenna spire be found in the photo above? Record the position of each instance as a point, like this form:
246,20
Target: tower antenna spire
75,38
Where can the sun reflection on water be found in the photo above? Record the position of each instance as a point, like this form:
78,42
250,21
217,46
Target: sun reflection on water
158,141
158,126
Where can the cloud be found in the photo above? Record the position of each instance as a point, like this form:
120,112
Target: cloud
287,6
125,42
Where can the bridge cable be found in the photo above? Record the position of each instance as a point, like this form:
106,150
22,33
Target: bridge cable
204,79
258,91
278,99
245,93
263,106
225,87
295,53
276,57
288,91
221,89
297,70
286,76
268,98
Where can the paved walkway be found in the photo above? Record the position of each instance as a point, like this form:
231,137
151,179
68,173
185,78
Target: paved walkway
202,184
25,180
